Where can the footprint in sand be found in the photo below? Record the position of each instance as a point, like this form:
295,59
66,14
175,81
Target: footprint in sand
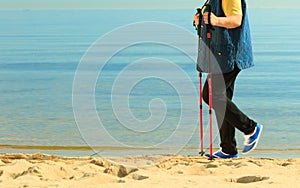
248,179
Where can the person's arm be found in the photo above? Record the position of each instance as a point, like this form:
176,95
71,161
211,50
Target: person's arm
229,22
233,15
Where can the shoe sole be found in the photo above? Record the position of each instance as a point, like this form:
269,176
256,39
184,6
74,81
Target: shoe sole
258,137
226,158
217,157
214,157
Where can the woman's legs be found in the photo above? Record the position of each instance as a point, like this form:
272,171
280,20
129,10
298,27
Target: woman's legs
227,113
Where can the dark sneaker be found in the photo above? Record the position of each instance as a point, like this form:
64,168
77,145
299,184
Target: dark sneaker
222,155
252,140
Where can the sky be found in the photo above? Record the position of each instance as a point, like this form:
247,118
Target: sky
132,4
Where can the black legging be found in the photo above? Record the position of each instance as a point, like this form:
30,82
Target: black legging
232,117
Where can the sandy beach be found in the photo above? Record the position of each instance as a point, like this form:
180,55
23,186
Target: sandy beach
40,170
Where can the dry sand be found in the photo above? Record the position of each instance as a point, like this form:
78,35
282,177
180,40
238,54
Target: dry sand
38,170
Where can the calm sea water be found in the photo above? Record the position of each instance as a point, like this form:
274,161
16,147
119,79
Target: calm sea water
40,51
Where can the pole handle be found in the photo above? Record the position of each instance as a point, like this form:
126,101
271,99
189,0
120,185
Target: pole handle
198,26
209,27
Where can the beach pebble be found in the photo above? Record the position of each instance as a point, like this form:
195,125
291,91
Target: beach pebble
85,175
139,177
62,169
285,164
211,166
33,170
120,171
180,172
247,179
100,162
121,181
251,179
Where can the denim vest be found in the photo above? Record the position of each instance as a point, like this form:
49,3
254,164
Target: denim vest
228,46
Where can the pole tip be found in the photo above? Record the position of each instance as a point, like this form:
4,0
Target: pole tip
202,153
211,158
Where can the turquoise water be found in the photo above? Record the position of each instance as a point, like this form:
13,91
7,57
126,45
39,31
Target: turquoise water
40,51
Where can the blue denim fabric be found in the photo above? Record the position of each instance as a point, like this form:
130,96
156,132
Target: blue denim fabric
228,46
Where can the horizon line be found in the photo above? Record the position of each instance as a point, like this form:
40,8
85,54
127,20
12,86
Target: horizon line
39,9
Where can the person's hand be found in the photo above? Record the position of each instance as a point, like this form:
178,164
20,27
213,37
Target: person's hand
196,19
213,19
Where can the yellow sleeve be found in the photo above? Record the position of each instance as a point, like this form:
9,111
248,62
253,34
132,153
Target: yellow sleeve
232,7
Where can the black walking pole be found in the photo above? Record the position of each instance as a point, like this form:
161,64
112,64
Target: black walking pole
209,80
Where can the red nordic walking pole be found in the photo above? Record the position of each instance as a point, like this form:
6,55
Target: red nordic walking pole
209,80
199,12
